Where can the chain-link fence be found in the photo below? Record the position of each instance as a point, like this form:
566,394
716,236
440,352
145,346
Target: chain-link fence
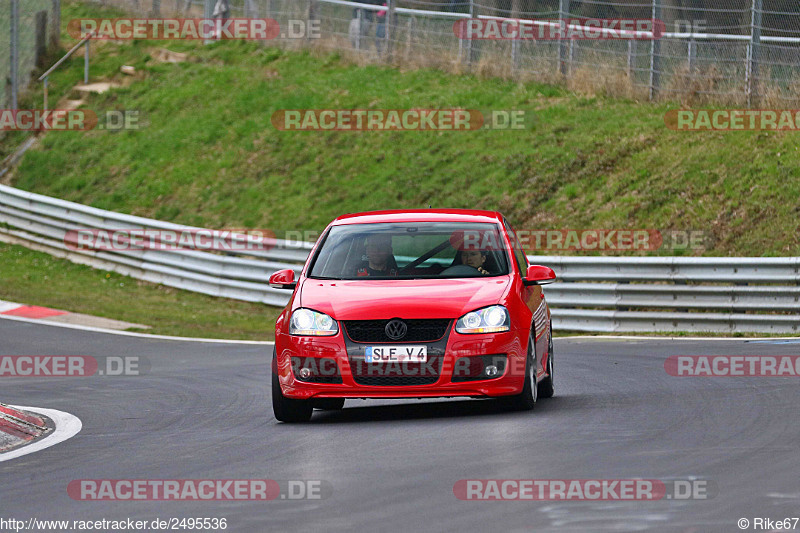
27,29
743,52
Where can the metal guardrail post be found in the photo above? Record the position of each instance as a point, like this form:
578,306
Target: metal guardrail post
755,53
14,57
655,54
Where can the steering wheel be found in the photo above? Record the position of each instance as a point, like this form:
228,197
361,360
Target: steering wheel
457,270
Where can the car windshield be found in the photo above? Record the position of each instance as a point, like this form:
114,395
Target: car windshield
411,250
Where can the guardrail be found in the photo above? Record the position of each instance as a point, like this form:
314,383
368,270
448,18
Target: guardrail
603,294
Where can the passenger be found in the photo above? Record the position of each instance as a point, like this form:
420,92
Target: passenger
475,259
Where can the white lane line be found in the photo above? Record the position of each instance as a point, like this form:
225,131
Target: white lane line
132,333
67,426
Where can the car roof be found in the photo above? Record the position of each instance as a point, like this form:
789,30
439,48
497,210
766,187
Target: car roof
420,215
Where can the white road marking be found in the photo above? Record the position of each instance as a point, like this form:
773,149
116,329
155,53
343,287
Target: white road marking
67,426
8,306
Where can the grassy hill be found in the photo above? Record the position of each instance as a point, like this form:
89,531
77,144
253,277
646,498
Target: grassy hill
208,154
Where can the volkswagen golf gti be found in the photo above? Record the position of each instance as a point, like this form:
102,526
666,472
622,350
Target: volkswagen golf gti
413,304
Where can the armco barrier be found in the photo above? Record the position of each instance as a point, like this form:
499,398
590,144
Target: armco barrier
603,294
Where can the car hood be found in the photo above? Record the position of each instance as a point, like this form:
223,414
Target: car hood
412,298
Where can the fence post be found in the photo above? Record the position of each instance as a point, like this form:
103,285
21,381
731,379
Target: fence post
514,55
156,12
755,53
469,37
41,37
55,29
655,54
692,53
631,58
563,14
208,11
360,17
311,15
409,36
389,25
14,41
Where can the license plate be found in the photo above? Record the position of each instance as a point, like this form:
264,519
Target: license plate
396,354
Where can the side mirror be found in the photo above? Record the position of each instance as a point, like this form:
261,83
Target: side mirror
283,279
539,275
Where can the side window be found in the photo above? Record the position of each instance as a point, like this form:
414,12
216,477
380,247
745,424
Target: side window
519,253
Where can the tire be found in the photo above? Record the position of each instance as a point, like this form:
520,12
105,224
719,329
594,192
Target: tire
329,404
546,386
526,400
287,409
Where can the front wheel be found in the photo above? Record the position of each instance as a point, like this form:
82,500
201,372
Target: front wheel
526,400
547,386
287,409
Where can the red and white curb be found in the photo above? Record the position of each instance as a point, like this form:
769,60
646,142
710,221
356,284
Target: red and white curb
19,311
18,428
28,311
20,425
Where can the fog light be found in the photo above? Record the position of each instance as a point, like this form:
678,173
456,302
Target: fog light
491,371
305,373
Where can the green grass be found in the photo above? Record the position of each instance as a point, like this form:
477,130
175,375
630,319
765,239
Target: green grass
36,278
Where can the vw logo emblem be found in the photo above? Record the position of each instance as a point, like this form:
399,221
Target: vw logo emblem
396,329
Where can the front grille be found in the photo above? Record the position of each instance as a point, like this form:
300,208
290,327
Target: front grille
394,374
419,330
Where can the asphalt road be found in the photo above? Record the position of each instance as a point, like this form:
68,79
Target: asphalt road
203,412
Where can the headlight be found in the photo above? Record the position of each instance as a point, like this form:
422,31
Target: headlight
487,320
308,322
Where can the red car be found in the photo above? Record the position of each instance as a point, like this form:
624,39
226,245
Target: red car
413,304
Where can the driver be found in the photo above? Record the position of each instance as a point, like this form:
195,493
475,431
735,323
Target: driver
379,252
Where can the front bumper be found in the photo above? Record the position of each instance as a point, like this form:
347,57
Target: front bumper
511,344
